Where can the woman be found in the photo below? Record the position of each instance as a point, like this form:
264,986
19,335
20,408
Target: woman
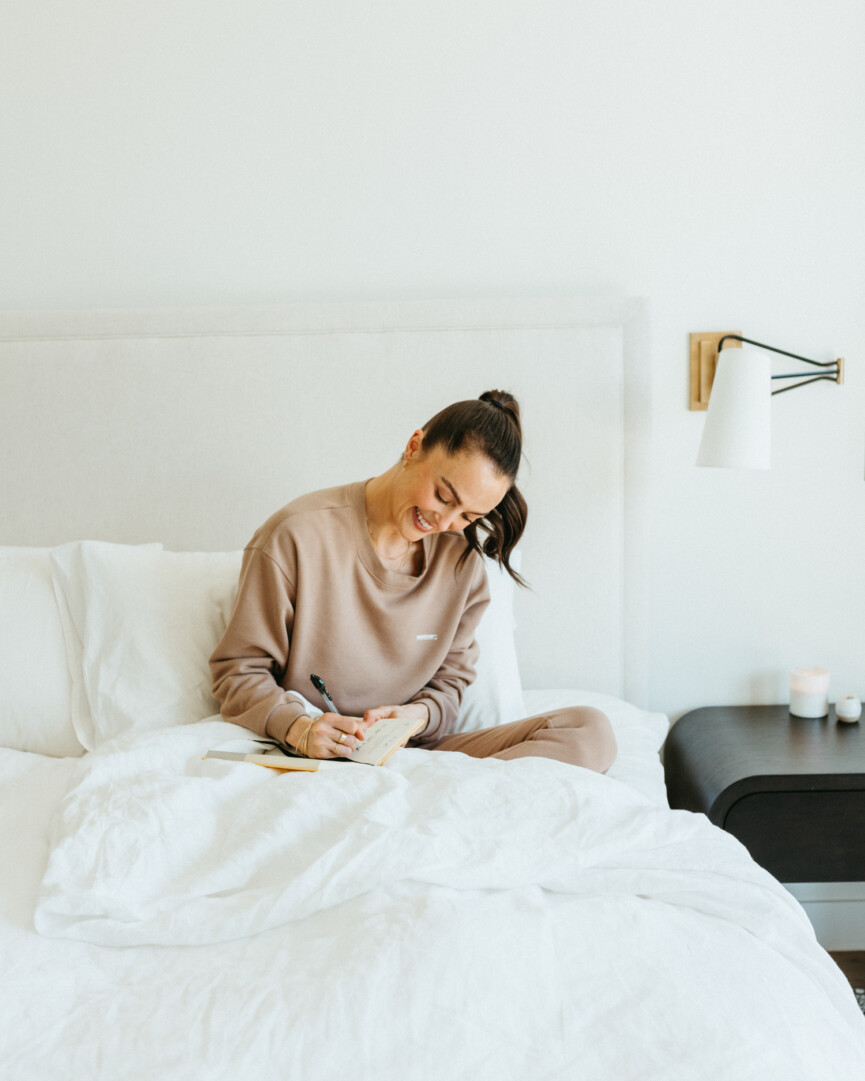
379,586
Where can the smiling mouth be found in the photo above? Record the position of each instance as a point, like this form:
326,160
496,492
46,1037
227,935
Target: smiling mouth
422,524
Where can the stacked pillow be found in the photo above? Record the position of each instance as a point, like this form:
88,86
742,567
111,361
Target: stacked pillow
140,624
35,686
97,639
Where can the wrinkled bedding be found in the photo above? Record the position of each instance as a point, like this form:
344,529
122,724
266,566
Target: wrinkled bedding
439,917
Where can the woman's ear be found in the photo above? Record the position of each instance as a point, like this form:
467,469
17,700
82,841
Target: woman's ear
414,445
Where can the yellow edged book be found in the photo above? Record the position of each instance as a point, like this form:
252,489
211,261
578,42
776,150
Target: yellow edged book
382,739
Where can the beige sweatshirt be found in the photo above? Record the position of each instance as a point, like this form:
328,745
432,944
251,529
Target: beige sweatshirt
314,597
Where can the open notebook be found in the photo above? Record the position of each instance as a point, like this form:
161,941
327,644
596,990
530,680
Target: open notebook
382,739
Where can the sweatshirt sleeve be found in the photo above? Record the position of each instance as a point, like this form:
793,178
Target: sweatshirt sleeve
444,692
253,652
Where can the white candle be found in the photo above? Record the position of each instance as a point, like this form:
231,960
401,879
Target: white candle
848,708
809,692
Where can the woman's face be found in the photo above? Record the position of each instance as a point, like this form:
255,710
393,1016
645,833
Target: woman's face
436,492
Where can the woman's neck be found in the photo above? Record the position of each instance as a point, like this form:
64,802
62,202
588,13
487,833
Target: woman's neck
385,534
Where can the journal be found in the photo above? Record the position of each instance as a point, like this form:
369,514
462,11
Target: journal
382,739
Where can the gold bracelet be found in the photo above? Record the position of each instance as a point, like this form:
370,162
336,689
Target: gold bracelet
300,746
304,740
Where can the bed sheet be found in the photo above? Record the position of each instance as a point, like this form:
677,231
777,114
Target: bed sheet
717,979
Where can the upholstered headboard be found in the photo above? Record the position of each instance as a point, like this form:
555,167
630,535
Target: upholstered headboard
190,426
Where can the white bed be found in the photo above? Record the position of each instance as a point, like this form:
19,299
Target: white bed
165,916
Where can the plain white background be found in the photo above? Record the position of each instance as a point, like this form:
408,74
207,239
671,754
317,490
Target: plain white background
709,157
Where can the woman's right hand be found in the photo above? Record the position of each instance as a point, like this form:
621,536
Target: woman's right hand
325,731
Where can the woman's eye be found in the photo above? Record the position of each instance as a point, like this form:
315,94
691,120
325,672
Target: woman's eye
440,497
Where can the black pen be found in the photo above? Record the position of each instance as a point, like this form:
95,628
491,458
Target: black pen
318,683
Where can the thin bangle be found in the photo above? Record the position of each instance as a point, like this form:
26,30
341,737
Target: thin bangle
296,747
304,741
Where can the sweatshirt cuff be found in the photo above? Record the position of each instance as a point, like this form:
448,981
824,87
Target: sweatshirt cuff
281,718
432,732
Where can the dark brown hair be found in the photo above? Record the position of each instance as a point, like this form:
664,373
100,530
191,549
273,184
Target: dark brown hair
491,425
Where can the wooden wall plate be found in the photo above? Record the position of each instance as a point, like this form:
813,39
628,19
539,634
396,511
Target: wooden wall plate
704,357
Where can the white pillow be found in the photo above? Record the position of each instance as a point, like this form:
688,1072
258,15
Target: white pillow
35,688
140,625
496,695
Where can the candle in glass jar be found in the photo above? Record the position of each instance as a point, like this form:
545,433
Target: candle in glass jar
809,692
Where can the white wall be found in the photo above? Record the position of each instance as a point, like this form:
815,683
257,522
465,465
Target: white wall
708,156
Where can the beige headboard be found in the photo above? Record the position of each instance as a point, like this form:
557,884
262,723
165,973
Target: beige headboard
190,426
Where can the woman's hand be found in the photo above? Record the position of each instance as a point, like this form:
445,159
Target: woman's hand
330,735
410,711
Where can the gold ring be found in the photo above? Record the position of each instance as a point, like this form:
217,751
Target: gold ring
341,738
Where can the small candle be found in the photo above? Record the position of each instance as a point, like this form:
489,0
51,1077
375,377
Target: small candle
809,692
848,708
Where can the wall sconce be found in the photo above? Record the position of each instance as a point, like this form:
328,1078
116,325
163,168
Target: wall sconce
734,386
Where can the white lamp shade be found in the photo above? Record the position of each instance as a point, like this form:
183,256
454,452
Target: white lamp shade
738,427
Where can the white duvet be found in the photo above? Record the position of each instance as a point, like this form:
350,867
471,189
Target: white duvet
440,917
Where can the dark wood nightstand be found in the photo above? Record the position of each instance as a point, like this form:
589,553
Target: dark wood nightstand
792,790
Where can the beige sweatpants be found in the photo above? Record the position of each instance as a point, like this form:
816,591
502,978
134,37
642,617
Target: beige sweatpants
580,735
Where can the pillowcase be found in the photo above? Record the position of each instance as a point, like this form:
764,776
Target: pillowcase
35,688
140,624
496,695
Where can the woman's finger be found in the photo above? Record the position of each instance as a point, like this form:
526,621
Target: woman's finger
343,744
331,741
351,726
373,715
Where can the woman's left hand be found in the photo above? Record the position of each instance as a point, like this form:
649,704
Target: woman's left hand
410,711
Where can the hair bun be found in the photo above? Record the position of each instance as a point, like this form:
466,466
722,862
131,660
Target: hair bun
504,402
500,398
